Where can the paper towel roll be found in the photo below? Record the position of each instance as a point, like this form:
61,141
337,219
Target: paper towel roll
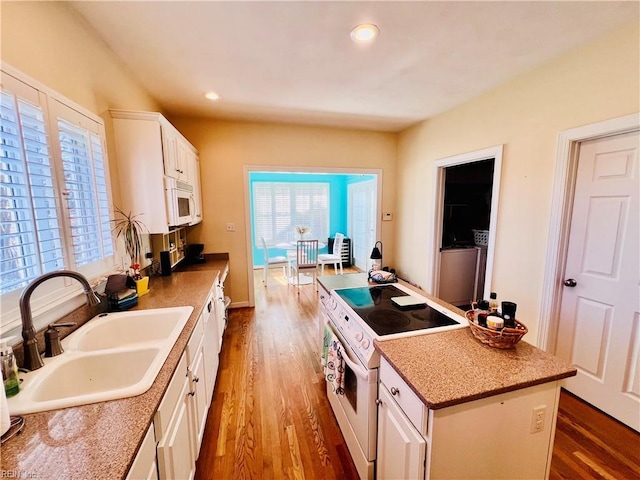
5,421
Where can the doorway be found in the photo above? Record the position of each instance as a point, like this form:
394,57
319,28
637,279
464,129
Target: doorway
362,199
338,205
465,229
590,307
453,217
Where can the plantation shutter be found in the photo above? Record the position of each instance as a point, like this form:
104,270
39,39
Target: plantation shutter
278,207
31,238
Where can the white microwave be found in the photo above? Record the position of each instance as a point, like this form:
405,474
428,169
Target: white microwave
180,202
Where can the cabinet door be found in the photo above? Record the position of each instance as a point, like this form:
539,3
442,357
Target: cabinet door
220,311
170,153
401,449
199,402
175,455
193,167
144,466
211,345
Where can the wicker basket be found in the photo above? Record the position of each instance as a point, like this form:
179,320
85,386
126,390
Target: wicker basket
505,338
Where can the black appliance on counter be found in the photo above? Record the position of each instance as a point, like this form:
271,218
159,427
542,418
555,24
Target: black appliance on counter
193,253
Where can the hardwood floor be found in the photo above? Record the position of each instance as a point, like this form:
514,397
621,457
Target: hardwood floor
270,418
592,445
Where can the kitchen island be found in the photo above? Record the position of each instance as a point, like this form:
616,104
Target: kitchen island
452,407
101,440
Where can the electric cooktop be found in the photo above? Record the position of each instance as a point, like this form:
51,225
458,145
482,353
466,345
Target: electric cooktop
375,307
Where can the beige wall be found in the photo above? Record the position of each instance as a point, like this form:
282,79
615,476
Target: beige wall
66,56
226,147
596,82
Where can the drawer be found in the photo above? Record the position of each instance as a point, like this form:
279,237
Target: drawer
405,398
195,340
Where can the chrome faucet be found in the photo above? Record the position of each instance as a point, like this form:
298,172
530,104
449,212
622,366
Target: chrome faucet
32,358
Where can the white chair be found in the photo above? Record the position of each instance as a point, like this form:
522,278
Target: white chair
272,262
334,258
306,259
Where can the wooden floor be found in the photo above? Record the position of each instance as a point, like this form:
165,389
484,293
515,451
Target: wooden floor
270,418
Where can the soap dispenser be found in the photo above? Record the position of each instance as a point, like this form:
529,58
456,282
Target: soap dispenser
9,368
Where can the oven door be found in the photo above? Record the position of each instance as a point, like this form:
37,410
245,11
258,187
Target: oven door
356,409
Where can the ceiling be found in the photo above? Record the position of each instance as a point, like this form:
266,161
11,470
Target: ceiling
294,62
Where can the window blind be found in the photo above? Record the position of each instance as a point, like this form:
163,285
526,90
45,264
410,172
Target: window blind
278,207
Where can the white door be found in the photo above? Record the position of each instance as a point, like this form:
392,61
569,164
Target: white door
362,221
599,325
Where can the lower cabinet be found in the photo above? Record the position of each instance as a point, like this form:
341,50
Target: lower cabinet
144,466
401,448
172,444
497,437
173,428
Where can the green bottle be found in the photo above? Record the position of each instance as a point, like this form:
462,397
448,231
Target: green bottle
9,370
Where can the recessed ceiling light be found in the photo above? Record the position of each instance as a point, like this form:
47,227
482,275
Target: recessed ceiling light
211,96
366,32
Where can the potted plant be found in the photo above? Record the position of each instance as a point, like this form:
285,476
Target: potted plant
130,229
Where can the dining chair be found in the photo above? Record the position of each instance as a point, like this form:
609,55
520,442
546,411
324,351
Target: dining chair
306,260
334,258
272,262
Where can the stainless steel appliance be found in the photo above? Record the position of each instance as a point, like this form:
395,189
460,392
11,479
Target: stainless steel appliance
358,316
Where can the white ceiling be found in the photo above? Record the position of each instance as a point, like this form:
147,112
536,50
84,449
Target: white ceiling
294,62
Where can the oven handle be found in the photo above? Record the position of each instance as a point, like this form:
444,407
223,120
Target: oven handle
357,369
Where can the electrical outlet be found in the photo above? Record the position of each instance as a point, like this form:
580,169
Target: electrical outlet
231,227
537,419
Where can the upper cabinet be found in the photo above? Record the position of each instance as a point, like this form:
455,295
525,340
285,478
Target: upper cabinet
148,147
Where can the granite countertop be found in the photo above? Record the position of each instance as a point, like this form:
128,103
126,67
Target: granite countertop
100,440
450,368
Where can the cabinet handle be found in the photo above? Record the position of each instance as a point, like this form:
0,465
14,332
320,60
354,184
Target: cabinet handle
196,379
191,393
394,391
378,401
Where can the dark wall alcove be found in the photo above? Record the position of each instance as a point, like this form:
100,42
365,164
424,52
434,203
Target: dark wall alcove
467,202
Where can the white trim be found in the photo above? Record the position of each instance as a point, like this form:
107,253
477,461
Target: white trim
561,206
247,169
433,241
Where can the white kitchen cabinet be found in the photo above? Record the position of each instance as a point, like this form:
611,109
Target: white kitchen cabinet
144,465
492,437
198,403
401,448
175,158
148,147
221,305
173,428
193,168
211,344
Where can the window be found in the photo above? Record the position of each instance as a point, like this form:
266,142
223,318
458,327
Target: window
54,195
278,207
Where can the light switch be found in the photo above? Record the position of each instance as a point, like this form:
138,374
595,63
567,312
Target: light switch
386,216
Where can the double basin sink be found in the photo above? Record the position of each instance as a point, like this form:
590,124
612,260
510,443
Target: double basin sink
114,355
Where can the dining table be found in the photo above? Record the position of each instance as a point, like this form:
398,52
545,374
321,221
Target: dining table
290,248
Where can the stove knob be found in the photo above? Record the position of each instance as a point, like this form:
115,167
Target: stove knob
365,343
359,336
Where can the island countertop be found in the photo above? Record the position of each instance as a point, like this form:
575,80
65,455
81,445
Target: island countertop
450,368
100,440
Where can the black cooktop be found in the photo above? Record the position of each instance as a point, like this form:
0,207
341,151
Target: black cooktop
374,306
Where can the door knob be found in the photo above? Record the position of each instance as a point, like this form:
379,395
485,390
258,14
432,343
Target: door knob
570,282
